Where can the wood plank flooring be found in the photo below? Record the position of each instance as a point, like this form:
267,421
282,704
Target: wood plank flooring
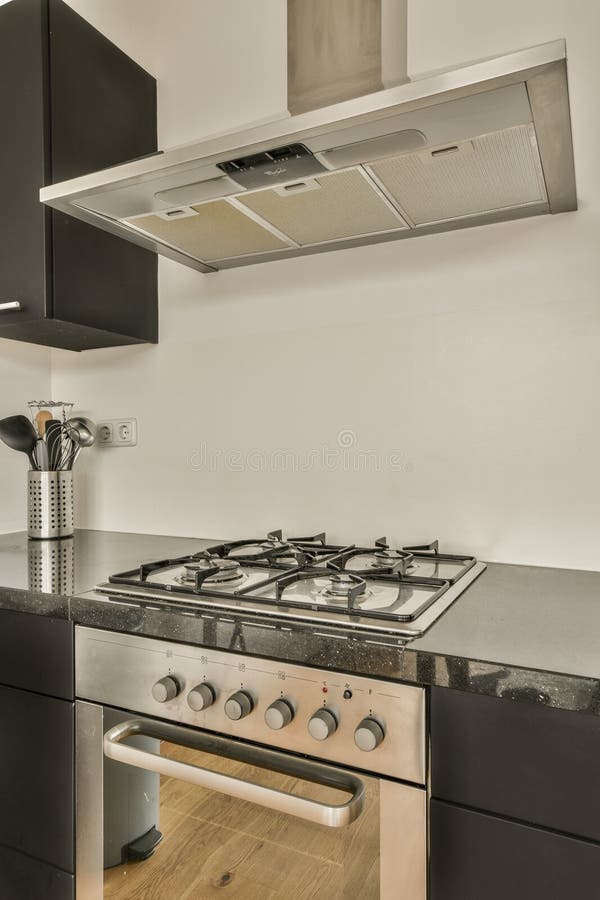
217,847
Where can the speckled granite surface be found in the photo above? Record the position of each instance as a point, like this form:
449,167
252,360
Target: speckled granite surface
524,633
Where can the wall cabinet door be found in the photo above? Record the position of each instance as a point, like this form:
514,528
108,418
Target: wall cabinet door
479,857
70,102
24,163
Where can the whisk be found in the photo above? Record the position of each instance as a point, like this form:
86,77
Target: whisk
66,440
61,446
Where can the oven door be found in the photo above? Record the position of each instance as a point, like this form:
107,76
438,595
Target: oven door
166,812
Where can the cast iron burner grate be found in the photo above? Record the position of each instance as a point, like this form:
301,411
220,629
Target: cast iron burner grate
342,579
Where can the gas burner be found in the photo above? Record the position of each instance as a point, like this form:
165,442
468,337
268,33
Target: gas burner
416,562
380,561
396,560
344,587
339,590
268,552
273,549
228,571
276,550
387,557
296,557
255,549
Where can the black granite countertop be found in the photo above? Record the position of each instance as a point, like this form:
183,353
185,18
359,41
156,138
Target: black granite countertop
524,633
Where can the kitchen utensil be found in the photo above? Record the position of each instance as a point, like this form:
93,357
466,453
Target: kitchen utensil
58,409
18,433
86,428
41,419
64,447
54,441
41,454
83,434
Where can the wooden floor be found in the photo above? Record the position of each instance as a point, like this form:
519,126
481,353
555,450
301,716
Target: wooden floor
217,847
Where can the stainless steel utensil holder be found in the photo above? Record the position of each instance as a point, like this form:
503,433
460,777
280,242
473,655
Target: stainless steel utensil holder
50,505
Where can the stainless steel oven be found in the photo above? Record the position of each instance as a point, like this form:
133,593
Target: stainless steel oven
201,771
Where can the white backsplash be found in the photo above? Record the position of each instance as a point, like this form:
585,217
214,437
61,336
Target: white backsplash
441,387
24,376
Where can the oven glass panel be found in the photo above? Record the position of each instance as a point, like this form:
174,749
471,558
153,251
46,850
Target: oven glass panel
211,842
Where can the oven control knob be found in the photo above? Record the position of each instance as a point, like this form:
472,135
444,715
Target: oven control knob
165,689
322,724
201,697
369,734
279,714
239,705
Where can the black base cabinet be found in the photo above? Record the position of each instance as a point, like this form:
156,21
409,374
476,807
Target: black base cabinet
475,856
37,742
519,760
515,788
25,878
70,103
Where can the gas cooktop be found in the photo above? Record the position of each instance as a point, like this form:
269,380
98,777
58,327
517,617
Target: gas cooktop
379,589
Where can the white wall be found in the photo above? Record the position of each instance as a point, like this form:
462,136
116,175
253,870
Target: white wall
473,356
24,375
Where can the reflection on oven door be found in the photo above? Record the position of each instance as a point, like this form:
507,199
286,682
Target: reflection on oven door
211,841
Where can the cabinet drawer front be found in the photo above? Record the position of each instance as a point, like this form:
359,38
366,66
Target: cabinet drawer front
523,761
24,878
479,857
36,654
36,777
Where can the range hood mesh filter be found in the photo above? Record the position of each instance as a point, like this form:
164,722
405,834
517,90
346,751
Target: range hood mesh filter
497,171
219,230
342,205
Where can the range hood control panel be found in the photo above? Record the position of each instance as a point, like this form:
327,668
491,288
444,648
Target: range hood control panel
281,164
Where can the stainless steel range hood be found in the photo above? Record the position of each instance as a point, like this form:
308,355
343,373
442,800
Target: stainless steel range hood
479,144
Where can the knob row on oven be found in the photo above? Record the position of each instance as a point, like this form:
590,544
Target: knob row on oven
322,724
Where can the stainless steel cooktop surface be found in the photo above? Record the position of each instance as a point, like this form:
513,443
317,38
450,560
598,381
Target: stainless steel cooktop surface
379,588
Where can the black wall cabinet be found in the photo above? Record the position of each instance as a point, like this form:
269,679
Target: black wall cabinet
70,103
37,745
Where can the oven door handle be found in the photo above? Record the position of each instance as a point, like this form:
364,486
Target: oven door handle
280,801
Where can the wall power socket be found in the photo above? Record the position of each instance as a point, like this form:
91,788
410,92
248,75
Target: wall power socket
117,433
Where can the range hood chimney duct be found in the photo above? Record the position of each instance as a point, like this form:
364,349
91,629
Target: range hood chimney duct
342,49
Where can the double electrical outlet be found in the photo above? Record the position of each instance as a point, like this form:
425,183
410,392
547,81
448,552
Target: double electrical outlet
117,433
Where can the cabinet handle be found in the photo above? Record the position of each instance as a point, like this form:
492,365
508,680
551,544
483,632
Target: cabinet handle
311,810
11,306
